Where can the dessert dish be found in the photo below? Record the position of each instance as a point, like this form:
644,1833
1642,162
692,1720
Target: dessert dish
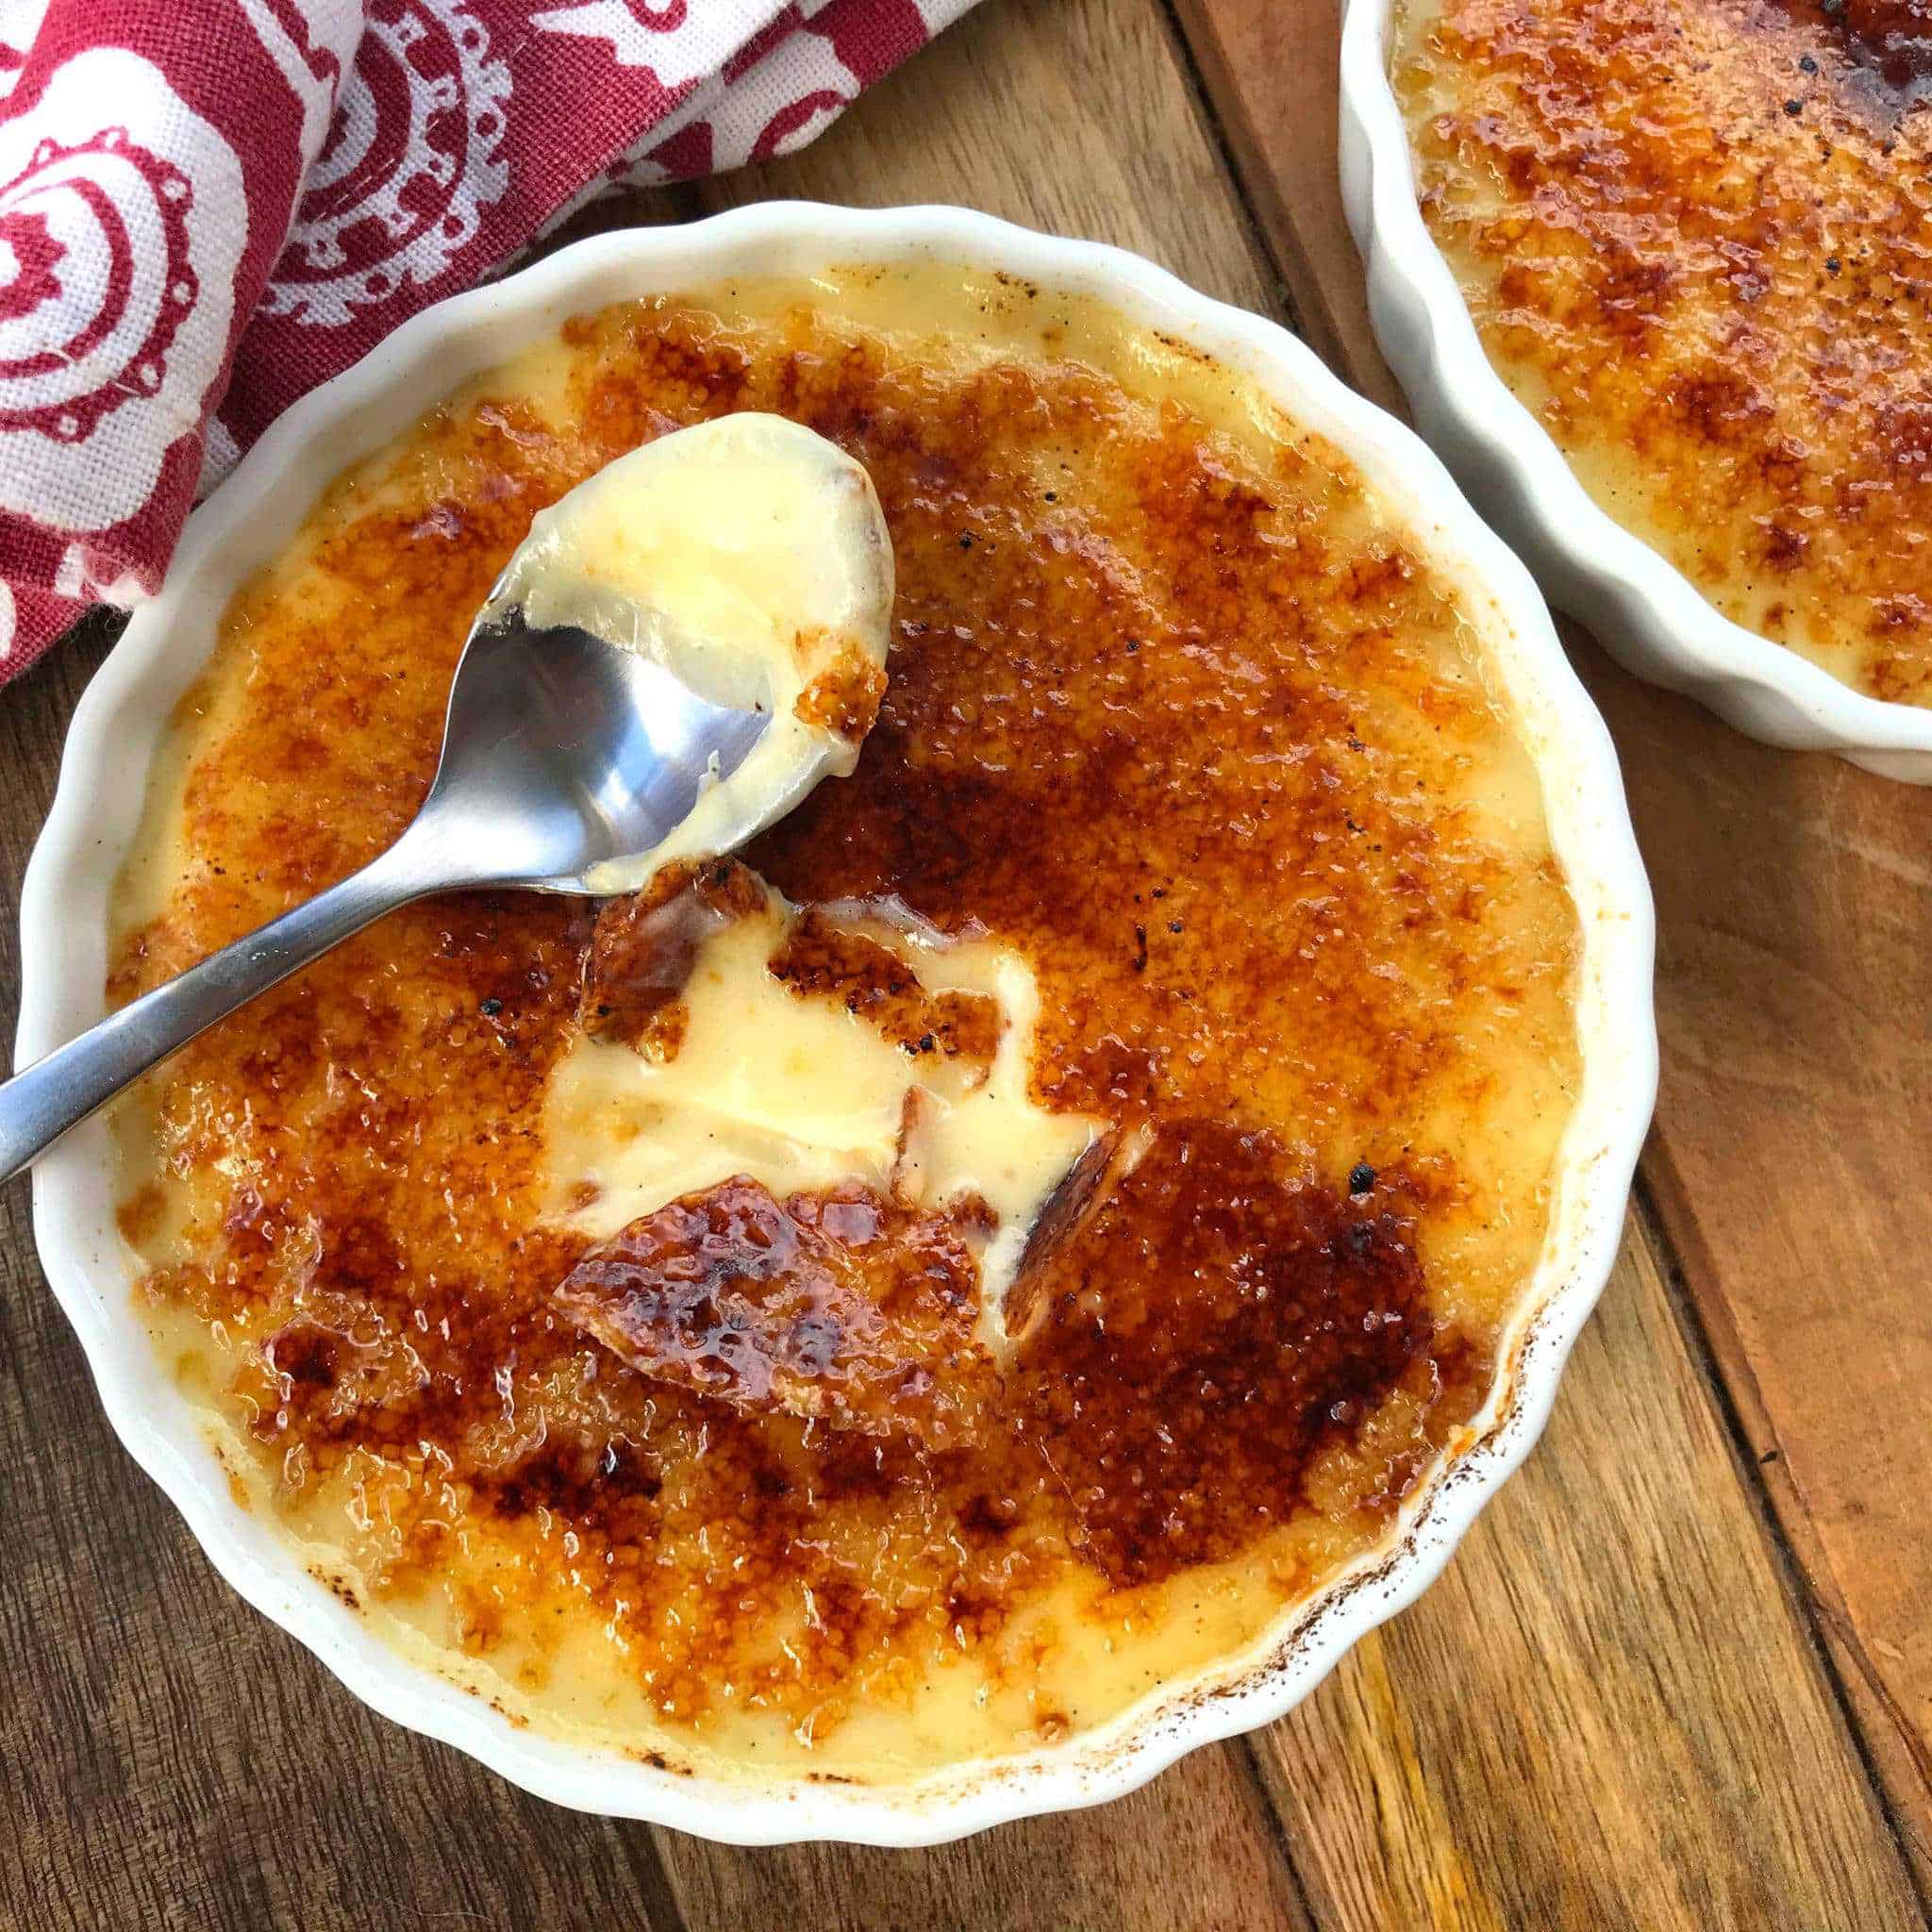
868,1336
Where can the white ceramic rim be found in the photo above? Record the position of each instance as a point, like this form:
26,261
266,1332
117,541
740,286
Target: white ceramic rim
119,721
1645,609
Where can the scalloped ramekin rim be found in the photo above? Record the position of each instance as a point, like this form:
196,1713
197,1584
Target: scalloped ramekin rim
1426,330
119,722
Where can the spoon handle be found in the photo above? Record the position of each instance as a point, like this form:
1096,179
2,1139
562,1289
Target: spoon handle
37,1105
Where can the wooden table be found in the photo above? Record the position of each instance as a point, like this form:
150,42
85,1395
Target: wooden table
1679,1675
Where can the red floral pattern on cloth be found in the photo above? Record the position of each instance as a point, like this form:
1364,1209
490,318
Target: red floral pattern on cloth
207,207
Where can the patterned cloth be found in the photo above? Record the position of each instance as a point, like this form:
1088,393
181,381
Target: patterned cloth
207,207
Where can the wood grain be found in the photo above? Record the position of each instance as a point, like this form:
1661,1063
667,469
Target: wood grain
1794,1007
1195,1852
1269,75
1576,1726
1610,1711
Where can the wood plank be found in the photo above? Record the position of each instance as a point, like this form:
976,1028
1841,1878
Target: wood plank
1269,76
1793,988
1666,1718
1073,116
1196,1851
1788,1167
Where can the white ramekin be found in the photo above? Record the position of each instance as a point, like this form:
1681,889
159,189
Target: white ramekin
1647,614
103,776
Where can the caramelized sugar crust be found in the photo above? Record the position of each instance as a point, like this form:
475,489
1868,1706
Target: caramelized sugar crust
819,959
1697,239
1301,1311
1180,729
839,1307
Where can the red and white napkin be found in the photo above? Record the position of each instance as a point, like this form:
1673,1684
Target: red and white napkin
206,206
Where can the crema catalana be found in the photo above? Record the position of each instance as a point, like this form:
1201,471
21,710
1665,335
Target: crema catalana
990,1249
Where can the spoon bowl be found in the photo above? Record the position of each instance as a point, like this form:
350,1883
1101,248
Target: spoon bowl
562,753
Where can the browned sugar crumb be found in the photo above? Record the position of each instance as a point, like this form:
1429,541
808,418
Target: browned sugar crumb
644,945
819,959
845,696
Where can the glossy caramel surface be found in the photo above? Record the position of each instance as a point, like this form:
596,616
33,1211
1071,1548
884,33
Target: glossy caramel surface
1696,239
1174,712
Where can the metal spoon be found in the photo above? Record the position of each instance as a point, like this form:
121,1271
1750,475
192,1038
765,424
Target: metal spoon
560,752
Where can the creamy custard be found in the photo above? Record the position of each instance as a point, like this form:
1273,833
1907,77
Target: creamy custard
800,1093
747,557
1693,236
1193,846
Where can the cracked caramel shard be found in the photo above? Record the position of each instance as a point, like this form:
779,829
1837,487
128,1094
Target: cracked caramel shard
840,1308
